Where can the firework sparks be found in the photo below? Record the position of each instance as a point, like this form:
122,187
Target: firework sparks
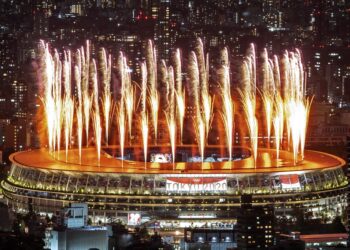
170,112
127,92
248,96
107,104
68,114
199,122
121,128
227,112
87,100
297,107
97,133
282,96
79,112
129,106
278,122
248,101
79,107
48,101
200,134
268,101
179,92
206,99
143,87
151,61
144,130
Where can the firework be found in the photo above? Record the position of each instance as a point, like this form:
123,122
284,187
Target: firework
121,127
68,114
248,97
144,130
200,134
227,112
285,107
206,99
278,122
179,92
97,133
248,101
170,112
151,61
79,112
107,104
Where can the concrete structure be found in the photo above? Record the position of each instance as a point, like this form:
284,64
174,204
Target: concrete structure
77,235
79,238
76,215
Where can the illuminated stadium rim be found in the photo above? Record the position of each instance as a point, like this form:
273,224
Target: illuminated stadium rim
41,159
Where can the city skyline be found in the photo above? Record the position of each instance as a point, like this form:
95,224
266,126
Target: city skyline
127,27
163,124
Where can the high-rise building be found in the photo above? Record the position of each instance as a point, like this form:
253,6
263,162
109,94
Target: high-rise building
255,225
161,12
331,22
12,92
8,70
327,73
272,14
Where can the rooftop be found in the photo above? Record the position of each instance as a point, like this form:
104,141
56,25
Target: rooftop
266,163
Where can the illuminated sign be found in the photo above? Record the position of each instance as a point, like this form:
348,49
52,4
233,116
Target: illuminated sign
161,158
200,184
197,215
290,181
134,219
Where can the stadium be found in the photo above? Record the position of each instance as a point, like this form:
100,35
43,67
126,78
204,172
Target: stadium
185,146
181,192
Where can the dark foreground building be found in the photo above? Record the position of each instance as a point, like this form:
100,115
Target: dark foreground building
255,225
209,238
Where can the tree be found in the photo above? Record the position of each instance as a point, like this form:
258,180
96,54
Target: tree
143,232
338,226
